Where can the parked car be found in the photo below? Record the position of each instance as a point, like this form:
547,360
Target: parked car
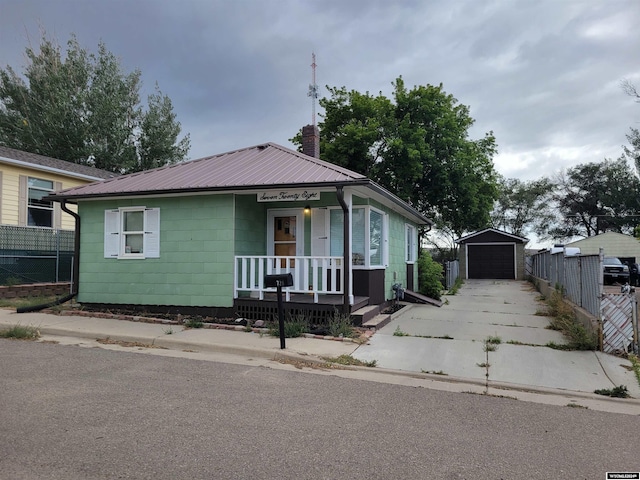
615,271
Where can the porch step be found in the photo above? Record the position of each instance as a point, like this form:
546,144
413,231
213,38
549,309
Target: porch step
377,322
365,314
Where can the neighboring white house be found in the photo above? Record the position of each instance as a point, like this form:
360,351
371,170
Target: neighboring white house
614,244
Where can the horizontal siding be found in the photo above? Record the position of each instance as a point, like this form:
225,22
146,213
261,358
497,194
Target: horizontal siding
10,191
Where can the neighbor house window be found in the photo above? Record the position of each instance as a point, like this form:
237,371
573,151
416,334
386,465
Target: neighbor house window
368,236
411,250
39,211
132,232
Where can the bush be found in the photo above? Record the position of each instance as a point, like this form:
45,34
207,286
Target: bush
341,324
293,326
430,276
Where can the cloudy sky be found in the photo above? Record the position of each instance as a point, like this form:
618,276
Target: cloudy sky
543,75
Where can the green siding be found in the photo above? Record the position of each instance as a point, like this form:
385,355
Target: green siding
250,226
195,267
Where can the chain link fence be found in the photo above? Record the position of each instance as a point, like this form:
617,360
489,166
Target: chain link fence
35,255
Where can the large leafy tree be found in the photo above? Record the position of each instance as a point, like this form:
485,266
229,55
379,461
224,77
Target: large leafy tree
594,198
524,207
416,145
81,107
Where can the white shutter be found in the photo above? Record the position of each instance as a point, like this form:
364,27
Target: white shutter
152,233
111,233
319,237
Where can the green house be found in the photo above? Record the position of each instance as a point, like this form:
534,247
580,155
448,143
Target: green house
203,234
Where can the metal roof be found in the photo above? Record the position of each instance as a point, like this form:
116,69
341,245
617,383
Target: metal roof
54,165
260,166
265,166
492,230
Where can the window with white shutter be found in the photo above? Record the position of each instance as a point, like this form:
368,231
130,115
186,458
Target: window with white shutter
132,232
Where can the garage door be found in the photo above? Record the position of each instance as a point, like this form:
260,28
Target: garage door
491,261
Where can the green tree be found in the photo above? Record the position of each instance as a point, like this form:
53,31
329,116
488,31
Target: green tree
84,109
417,146
524,207
597,197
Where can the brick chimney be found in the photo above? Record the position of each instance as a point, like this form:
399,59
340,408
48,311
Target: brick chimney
311,141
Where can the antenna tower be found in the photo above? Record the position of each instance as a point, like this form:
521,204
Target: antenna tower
313,89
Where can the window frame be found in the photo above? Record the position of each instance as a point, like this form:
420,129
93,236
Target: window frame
410,243
384,238
115,234
49,209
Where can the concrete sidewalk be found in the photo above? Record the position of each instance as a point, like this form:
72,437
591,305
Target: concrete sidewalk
449,341
176,337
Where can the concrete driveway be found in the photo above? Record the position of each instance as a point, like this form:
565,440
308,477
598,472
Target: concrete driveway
450,341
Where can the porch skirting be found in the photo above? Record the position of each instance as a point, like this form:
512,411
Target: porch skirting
300,304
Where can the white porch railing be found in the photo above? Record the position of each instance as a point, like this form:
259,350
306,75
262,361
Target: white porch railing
311,275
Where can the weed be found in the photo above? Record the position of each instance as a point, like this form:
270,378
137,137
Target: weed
194,322
563,319
517,342
620,392
490,345
635,365
247,328
21,332
434,372
340,325
12,281
456,286
349,360
293,327
168,331
575,405
400,333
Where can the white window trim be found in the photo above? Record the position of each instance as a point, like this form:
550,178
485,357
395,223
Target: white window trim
114,239
384,241
410,231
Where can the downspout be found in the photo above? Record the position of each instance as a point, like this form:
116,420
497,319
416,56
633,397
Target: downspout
345,249
75,273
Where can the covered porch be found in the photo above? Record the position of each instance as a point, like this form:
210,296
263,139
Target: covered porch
317,290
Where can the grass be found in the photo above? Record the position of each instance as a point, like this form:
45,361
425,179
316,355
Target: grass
435,372
619,392
20,332
26,301
349,360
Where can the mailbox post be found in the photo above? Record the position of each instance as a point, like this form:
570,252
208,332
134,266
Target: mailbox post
279,281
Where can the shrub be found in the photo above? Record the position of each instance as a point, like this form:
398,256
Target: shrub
293,326
341,324
429,276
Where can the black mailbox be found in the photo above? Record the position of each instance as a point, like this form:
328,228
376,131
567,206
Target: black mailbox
278,280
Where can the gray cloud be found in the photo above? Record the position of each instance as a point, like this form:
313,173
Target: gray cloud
543,75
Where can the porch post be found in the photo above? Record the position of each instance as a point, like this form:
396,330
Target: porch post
346,249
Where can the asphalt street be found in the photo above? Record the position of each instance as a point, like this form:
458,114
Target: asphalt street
87,413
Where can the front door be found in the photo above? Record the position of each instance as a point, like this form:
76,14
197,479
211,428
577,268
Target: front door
285,236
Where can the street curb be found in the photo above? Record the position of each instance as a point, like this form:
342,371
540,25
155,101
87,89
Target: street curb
279,355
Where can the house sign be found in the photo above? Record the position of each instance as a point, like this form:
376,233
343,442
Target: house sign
288,195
